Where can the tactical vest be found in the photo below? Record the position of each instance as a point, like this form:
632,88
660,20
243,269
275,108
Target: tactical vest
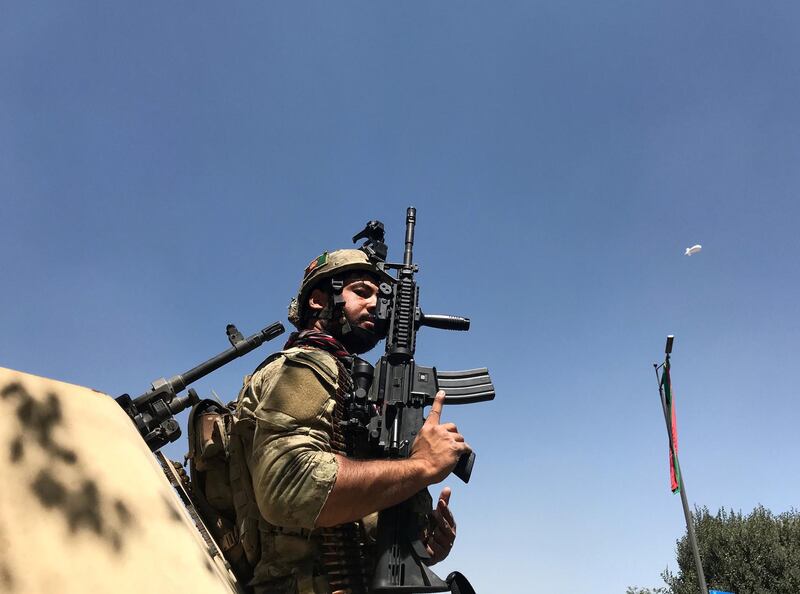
222,488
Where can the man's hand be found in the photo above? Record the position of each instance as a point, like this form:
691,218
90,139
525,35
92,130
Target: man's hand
439,541
438,446
365,486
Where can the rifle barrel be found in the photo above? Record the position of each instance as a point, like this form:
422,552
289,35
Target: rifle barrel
411,220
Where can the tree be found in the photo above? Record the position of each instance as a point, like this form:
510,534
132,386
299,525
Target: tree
754,554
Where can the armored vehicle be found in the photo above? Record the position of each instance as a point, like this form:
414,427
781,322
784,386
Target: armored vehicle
85,506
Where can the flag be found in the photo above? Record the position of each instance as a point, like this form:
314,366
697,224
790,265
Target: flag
674,467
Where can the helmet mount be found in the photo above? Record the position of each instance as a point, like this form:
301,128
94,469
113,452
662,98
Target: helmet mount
374,246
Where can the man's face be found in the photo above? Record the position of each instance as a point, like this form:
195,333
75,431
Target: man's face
360,296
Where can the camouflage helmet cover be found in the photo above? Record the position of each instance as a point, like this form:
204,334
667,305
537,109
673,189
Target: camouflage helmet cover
328,265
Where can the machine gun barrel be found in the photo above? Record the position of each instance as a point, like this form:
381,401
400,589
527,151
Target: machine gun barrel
153,412
241,346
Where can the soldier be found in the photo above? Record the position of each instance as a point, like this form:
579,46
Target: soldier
311,508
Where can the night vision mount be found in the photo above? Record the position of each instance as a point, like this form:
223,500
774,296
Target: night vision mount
374,245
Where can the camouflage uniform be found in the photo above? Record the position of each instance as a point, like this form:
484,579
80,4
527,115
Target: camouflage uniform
291,402
288,412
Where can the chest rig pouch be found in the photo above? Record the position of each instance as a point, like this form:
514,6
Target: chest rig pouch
221,483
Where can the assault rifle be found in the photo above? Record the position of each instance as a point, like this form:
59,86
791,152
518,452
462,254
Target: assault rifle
153,412
385,412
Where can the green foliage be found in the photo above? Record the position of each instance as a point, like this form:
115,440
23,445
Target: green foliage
754,554
637,590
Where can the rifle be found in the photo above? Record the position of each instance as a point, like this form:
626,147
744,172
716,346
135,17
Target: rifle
153,412
398,389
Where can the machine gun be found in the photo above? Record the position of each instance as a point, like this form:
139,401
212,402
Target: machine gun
385,412
153,412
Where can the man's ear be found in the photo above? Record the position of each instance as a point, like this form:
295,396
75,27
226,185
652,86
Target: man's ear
318,300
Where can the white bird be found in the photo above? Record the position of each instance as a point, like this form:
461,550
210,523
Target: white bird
693,250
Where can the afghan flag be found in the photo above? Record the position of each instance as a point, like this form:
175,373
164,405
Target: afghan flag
674,468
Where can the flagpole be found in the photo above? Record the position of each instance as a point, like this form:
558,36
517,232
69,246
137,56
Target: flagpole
686,512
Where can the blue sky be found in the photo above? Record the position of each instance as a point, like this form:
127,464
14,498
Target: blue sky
168,168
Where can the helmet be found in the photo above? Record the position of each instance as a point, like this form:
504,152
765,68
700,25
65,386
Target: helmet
326,266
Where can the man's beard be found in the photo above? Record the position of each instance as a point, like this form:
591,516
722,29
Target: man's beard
358,340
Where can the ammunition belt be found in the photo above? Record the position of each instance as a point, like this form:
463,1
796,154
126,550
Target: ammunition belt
345,555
